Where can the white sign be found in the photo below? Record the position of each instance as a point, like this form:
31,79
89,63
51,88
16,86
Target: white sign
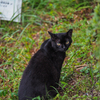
10,10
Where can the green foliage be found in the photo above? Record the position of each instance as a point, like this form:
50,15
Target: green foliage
32,9
36,98
36,3
19,41
96,26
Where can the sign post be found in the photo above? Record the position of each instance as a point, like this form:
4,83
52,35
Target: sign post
10,10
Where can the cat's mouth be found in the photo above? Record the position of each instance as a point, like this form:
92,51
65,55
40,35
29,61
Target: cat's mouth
61,50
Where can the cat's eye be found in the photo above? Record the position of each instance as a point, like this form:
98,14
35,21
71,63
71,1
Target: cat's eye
58,44
67,42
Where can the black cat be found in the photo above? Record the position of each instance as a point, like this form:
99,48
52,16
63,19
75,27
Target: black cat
41,76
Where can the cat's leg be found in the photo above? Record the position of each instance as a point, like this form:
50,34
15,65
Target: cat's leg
52,91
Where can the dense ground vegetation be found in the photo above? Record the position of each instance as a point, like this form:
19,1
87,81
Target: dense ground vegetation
19,41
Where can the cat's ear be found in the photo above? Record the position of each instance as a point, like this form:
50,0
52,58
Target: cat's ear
69,33
50,33
53,36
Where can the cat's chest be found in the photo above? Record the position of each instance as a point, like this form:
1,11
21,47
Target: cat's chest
58,57
58,61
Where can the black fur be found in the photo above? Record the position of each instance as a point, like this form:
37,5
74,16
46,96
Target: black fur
42,74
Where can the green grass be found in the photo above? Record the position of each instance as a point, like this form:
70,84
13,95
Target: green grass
19,41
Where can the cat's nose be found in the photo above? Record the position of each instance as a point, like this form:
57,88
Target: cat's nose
64,46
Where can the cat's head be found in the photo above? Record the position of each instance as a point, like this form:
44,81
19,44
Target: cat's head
61,41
